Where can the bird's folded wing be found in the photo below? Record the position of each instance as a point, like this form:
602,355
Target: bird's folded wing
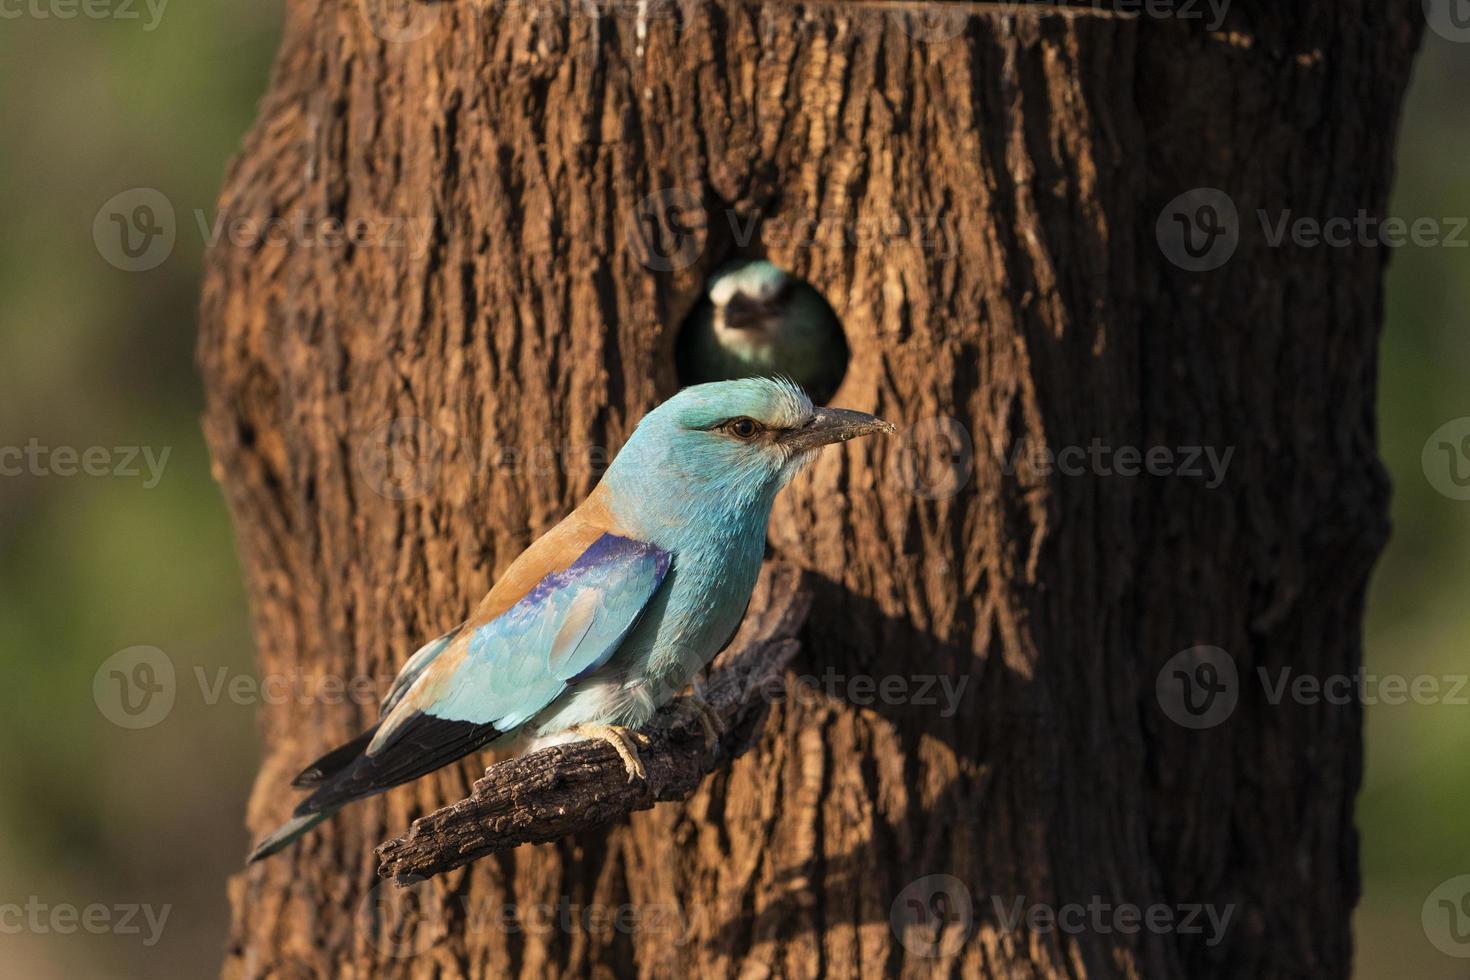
414,668
567,626
491,677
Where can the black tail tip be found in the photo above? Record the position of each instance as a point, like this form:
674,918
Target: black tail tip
286,833
260,853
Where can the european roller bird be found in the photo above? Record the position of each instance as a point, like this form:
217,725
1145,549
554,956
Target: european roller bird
607,615
757,320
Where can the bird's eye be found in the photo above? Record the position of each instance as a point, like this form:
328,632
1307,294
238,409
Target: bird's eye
743,428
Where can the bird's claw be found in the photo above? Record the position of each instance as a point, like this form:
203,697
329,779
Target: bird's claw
709,719
623,740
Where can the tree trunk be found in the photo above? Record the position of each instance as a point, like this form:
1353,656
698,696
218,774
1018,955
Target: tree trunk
537,199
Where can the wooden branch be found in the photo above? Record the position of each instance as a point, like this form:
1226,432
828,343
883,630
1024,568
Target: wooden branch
562,790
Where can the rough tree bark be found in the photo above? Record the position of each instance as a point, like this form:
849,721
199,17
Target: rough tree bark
977,197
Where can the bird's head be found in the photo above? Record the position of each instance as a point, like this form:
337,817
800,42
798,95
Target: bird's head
750,298
736,442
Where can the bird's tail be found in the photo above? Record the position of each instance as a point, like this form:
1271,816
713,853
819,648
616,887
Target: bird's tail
286,833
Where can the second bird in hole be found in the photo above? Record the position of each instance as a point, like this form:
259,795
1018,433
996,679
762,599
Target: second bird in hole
757,320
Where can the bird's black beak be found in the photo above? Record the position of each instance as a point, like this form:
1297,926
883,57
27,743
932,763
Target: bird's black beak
831,425
745,313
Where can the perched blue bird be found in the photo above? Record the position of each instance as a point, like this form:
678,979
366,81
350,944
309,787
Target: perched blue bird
757,320
609,614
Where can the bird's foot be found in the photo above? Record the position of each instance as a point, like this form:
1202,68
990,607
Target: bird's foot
709,719
624,740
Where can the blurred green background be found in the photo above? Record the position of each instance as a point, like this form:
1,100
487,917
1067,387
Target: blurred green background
94,356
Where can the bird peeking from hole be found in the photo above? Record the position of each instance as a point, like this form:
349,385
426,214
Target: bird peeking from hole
757,320
609,614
